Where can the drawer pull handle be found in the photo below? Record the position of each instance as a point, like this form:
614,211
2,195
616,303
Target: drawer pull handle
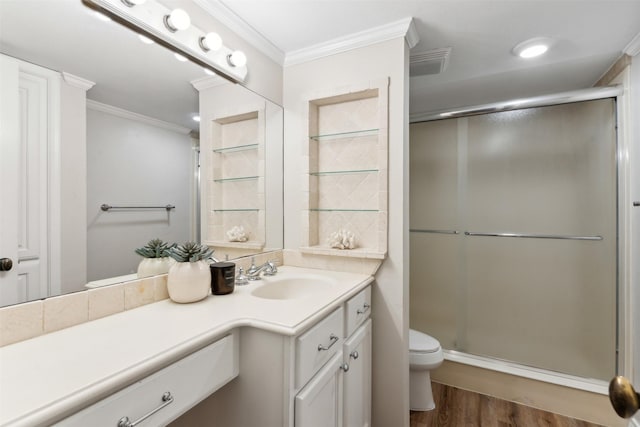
333,339
354,355
125,422
345,367
365,307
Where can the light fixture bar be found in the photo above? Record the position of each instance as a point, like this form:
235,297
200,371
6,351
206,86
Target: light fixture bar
148,19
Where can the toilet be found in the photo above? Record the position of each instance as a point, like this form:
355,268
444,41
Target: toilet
425,354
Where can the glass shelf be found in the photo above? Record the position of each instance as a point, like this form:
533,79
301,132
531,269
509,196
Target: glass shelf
240,178
347,172
344,210
236,210
341,135
235,148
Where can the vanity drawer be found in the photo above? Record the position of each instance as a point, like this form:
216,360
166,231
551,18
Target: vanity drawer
188,381
358,310
316,346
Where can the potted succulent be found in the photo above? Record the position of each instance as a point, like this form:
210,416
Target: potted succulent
156,258
189,278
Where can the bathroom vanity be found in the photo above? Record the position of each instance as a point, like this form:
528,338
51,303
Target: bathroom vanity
301,339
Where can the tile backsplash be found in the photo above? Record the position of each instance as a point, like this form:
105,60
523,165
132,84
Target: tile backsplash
28,320
23,321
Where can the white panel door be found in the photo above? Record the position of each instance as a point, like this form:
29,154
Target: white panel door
24,159
357,379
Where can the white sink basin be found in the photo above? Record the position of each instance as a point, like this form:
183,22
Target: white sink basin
292,287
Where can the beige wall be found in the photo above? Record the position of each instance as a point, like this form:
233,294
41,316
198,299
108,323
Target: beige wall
390,293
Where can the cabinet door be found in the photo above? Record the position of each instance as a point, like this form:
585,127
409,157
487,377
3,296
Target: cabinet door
319,403
357,379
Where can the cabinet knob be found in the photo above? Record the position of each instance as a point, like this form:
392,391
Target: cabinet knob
354,355
345,367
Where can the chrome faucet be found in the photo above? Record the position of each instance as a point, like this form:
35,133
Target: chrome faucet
268,269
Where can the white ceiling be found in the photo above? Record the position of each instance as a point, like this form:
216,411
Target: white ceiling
590,35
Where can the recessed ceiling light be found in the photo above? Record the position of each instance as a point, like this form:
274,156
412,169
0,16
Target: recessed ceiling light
533,47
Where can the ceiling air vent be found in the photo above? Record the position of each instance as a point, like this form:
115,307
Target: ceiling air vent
433,61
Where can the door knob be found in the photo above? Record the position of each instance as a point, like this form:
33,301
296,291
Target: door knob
623,397
5,264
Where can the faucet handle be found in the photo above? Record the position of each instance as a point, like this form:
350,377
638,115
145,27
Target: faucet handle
241,278
272,268
253,268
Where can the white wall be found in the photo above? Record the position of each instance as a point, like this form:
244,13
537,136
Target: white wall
130,162
390,293
73,188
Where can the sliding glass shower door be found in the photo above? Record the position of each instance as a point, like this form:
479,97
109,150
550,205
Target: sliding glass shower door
513,242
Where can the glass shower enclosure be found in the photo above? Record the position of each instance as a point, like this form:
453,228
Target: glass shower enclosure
514,235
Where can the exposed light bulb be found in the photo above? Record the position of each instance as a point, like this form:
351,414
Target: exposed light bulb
132,3
209,72
145,39
533,51
180,57
210,41
237,59
177,20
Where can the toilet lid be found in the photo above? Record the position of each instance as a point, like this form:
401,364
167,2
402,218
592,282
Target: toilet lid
422,343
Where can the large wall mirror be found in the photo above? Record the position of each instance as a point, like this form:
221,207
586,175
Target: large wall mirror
134,145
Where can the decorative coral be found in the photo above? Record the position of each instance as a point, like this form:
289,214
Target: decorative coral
342,239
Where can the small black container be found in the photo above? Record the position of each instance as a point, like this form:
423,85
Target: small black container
223,277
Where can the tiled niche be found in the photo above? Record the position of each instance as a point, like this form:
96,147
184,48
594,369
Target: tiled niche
235,192
346,171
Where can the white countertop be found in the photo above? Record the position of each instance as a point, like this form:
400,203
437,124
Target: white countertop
47,378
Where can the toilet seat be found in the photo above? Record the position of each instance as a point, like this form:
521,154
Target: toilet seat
422,343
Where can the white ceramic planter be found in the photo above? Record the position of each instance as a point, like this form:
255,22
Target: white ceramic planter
189,281
154,266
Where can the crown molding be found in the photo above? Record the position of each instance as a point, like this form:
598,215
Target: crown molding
126,114
633,48
208,82
76,81
228,18
402,28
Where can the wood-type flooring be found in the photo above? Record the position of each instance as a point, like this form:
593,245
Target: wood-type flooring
460,408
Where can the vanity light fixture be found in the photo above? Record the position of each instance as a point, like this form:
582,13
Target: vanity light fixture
237,59
533,47
210,41
173,30
177,20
